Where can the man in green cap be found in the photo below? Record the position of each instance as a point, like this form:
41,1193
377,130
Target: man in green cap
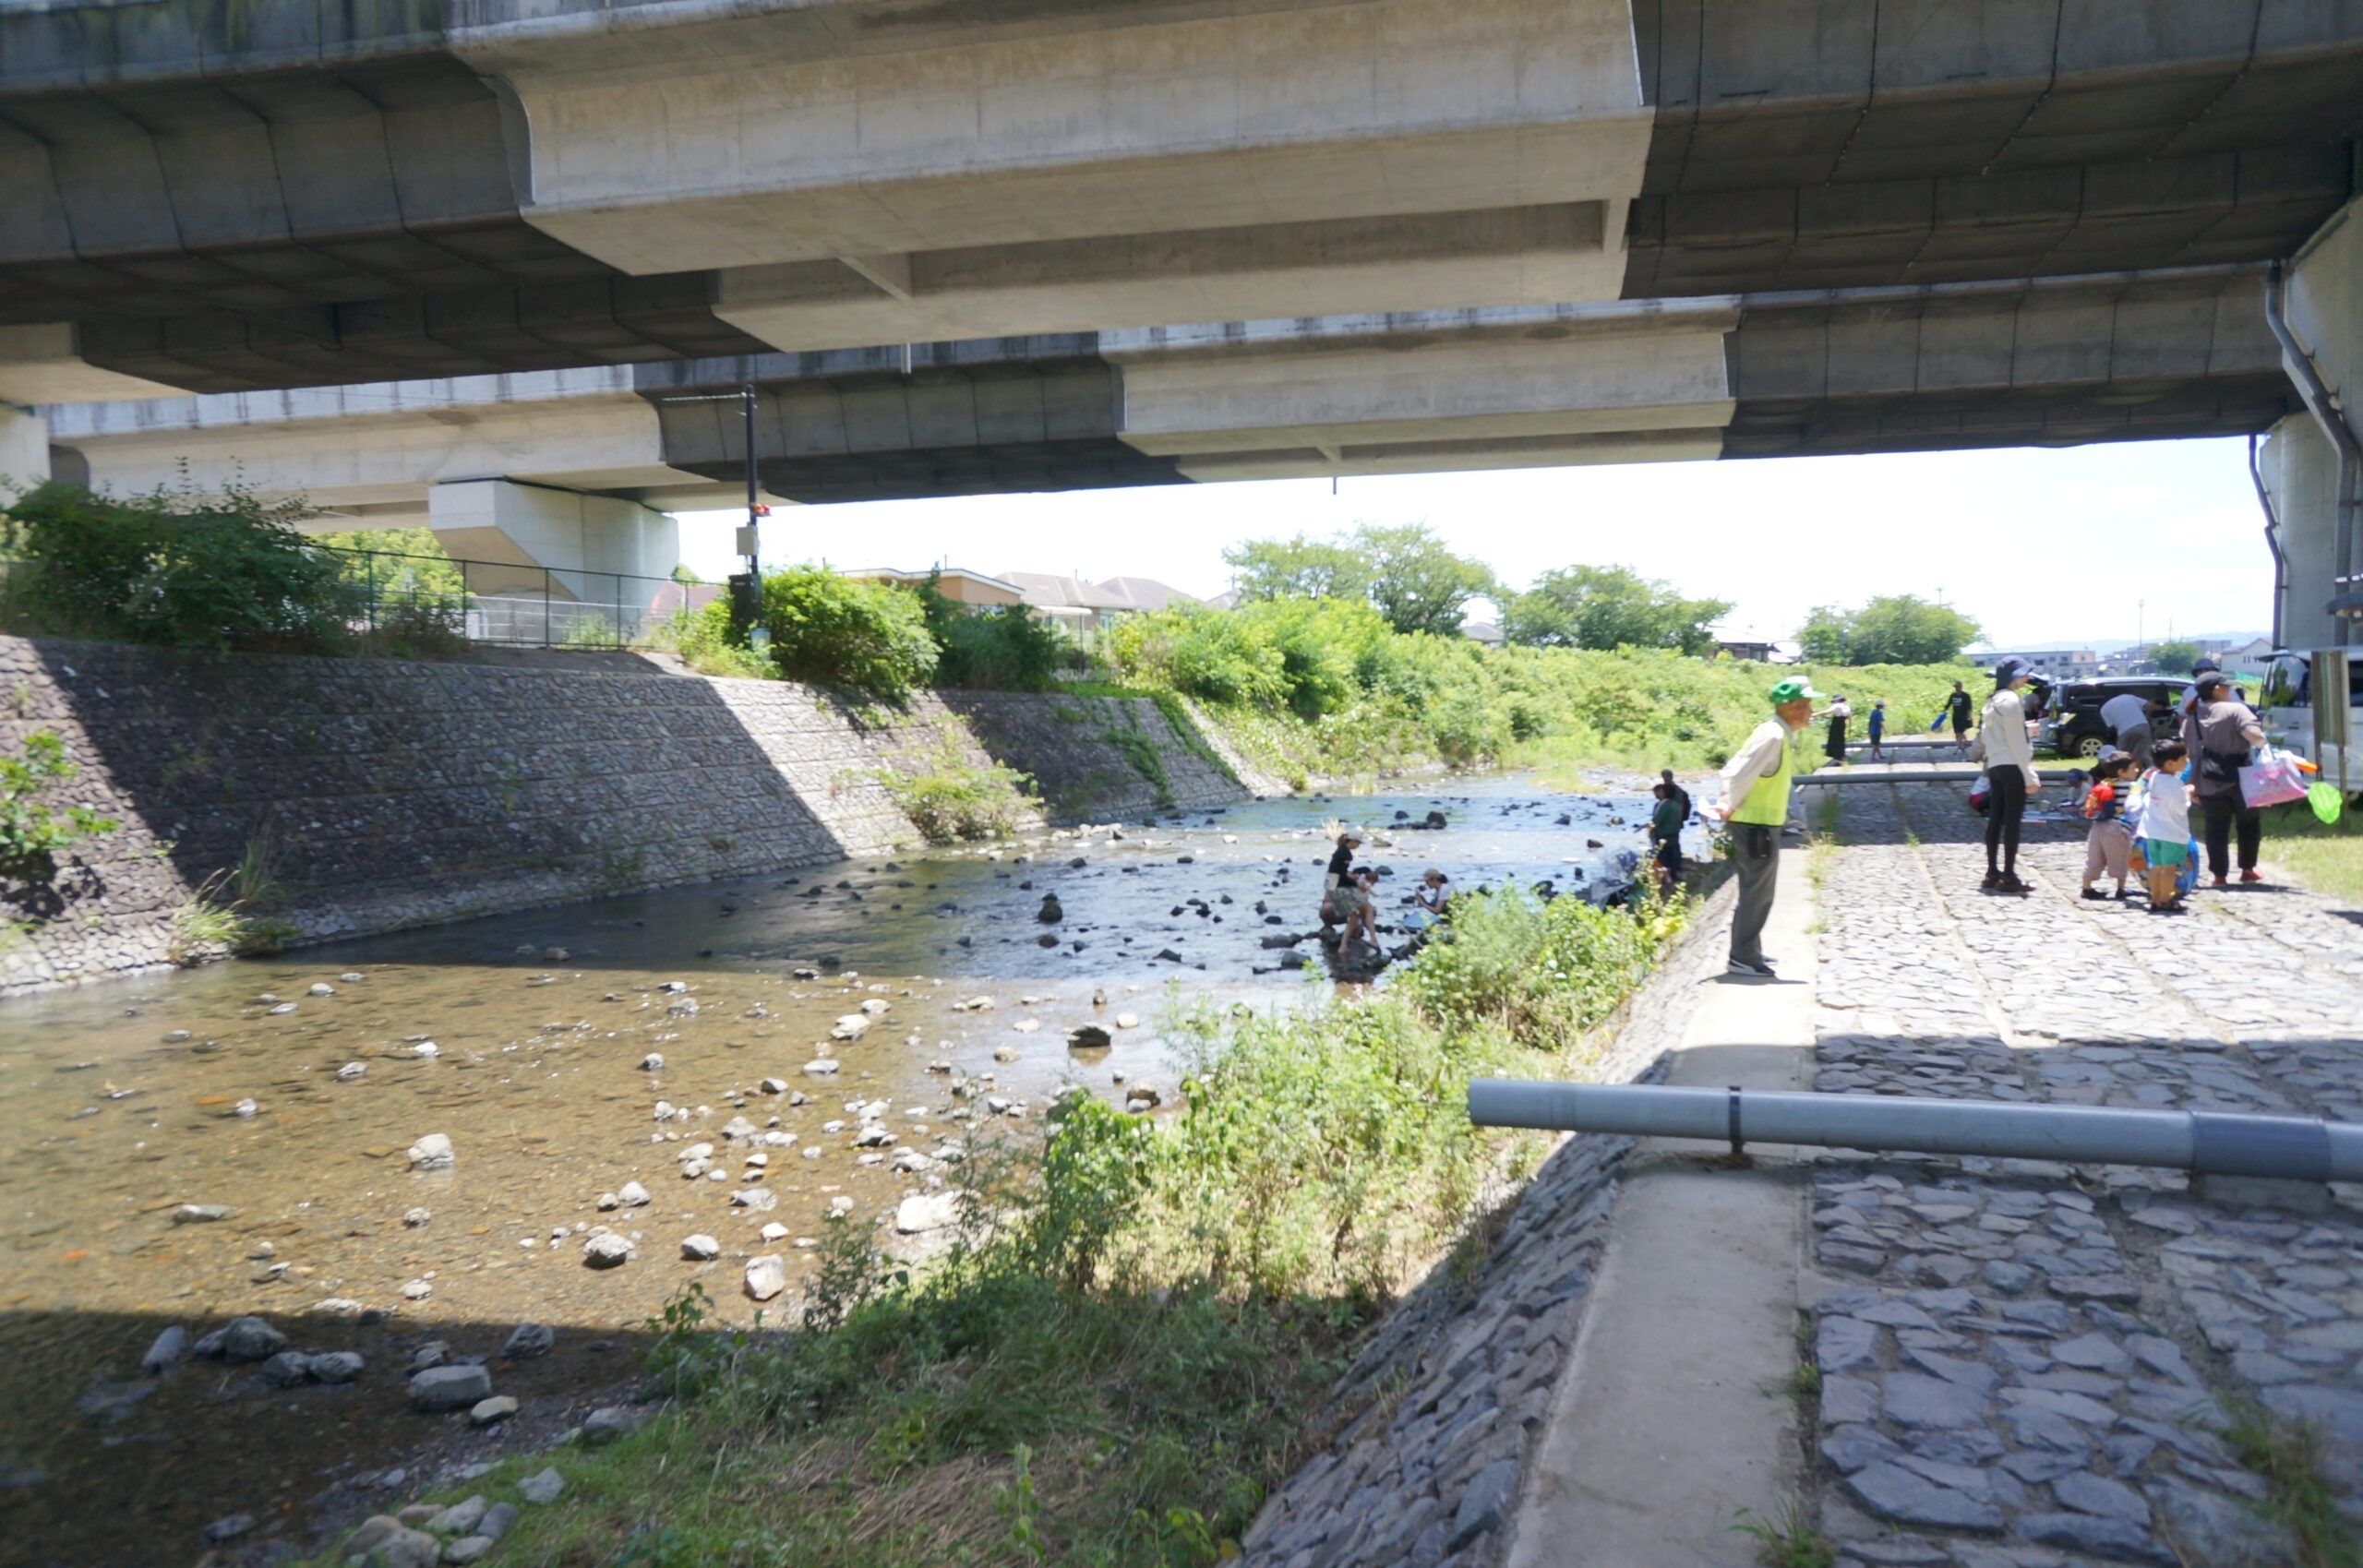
1755,804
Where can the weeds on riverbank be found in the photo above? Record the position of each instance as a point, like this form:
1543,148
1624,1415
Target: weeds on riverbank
1137,1336
2326,857
948,798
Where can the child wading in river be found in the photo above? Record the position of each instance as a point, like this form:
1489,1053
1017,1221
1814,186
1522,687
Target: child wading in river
2165,826
2108,846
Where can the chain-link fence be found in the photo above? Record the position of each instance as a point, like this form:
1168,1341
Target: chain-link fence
525,606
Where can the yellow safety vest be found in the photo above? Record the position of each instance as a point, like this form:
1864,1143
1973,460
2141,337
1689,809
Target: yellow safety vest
1767,803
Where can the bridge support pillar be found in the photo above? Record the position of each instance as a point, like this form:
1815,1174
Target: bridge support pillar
576,536
2301,470
24,449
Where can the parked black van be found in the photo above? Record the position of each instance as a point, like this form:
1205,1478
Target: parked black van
2072,726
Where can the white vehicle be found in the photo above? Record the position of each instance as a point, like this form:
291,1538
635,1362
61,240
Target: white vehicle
2300,711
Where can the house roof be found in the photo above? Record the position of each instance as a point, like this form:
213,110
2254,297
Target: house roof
1146,592
898,574
1048,590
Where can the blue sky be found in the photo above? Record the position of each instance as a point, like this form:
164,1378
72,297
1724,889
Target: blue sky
2077,545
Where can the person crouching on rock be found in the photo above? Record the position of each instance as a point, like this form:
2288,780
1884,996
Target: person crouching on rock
1428,900
1337,904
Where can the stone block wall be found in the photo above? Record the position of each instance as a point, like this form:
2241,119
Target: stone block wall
382,793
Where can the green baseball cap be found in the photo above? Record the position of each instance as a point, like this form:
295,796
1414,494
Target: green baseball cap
1790,689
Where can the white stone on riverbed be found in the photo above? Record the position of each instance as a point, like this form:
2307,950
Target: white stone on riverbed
918,1214
766,1276
698,1249
821,1067
431,1152
606,1252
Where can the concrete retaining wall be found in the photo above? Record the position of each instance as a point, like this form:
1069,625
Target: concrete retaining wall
384,794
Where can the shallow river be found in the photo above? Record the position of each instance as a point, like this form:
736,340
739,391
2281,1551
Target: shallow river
288,1092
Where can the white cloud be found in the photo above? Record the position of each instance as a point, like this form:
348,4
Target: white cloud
2039,544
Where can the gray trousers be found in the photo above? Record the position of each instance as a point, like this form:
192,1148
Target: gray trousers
2134,740
1756,850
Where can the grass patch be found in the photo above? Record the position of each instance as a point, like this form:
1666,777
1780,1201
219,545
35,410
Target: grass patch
2299,1496
950,798
1786,1538
2327,858
1140,1333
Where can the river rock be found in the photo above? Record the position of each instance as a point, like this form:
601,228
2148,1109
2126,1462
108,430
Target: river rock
468,1549
653,1062
434,1353
202,1214
227,1529
754,1199
527,1340
739,1128
821,1067
632,1194
605,1424
366,1536
1088,1037
406,1548
1128,1021
773,1085
1049,913
414,1218
497,1520
431,1152
700,1248
876,1006
335,1366
490,1412
851,1026
925,1212
287,1369
251,1339
541,1487
606,1252
168,1350
351,1071
418,1289
439,1389
766,1276
460,1519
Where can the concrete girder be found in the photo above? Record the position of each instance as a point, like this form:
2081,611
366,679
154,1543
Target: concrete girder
1519,256
43,364
368,456
754,138
560,542
2317,494
1607,383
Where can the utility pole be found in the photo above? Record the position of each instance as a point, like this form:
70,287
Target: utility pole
746,584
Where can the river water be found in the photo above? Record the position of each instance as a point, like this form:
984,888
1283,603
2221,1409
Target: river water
285,1094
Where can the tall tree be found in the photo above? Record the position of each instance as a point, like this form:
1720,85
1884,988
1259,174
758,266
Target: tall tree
1297,568
2174,658
1610,607
1416,582
1896,629
1405,571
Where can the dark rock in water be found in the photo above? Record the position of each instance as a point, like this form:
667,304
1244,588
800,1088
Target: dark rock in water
804,972
227,1529
1168,955
1272,919
1562,820
1077,864
1592,843
1089,1036
1289,940
251,1339
1049,913
1046,939
1294,960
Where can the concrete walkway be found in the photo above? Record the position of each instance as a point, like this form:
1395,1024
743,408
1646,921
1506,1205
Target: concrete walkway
1675,1413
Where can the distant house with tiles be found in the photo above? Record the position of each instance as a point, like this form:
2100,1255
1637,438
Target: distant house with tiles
958,585
1081,606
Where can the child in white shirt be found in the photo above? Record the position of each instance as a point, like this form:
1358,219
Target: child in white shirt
2165,826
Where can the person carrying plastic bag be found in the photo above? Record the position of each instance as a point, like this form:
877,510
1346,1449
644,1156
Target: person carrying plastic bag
2220,734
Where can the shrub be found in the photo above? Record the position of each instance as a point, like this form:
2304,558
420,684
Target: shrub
188,571
710,645
30,830
991,648
952,799
865,636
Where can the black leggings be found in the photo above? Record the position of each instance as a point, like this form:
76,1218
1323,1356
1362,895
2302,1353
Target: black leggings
2223,812
2006,802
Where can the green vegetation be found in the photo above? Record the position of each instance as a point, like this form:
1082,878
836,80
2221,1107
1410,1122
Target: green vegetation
230,911
995,650
2327,858
1404,573
2298,1495
1141,1335
1896,629
835,631
215,573
2173,656
1787,1538
950,798
31,831
1314,686
1610,607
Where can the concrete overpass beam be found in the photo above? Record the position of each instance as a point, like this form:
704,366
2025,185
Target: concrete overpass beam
578,538
758,135
24,449
1578,385
1510,256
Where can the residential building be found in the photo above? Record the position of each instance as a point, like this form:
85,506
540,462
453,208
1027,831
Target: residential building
1146,594
2051,663
1486,632
1071,602
958,585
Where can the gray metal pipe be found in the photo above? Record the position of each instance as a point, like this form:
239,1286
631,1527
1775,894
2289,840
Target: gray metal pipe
2303,1148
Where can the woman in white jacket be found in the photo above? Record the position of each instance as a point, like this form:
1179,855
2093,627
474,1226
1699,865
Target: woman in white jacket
2009,755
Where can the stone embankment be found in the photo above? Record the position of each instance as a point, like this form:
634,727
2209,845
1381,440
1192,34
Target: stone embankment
350,795
2004,1364
1457,1385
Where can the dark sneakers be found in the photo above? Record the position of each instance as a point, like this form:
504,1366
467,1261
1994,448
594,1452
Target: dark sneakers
1759,970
